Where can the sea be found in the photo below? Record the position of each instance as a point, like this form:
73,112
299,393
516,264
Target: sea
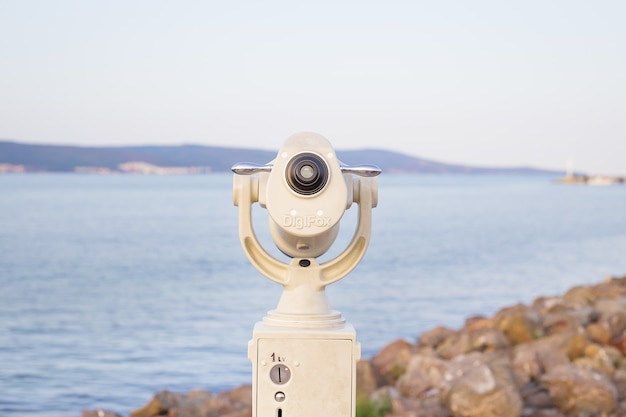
115,287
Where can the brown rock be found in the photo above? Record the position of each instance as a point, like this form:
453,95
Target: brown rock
539,399
598,333
551,412
619,343
597,364
616,322
609,354
550,359
599,358
478,393
423,373
365,379
546,305
428,405
575,347
481,384
618,280
572,344
612,315
578,391
569,319
526,362
564,323
236,401
501,366
456,344
608,289
485,339
614,354
391,362
241,396
619,378
478,322
435,336
159,404
531,360
460,366
620,411
581,295
194,404
519,324
236,413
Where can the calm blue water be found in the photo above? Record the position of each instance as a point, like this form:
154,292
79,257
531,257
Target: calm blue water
115,287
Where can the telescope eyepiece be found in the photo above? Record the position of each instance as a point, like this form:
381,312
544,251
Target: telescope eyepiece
307,173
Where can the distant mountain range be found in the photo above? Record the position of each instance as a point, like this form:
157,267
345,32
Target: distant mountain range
21,157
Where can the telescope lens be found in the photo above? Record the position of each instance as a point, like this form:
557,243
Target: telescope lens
307,171
307,174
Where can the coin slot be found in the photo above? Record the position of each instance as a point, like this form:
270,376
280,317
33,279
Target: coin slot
280,374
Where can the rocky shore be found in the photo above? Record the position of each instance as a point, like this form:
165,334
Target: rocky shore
559,356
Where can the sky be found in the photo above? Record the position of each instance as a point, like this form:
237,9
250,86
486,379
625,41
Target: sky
491,83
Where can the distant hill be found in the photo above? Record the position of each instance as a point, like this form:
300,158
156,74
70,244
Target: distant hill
61,158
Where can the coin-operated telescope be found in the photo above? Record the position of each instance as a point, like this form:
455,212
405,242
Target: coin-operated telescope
304,353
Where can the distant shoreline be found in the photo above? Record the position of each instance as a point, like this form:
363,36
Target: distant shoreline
144,168
134,167
184,159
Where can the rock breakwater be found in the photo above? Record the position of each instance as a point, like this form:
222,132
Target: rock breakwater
559,356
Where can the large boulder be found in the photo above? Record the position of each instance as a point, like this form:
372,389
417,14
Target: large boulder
479,385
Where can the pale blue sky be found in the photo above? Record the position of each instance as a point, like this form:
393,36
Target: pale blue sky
495,83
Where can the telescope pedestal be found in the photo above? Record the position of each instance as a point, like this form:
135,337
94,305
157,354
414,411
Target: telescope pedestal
304,371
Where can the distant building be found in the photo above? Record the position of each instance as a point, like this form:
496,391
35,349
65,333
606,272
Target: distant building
145,168
12,169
